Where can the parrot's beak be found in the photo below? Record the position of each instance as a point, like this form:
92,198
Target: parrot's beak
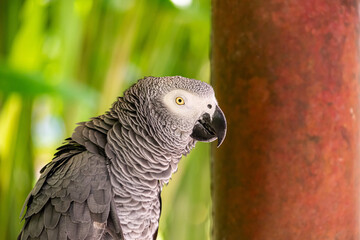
207,128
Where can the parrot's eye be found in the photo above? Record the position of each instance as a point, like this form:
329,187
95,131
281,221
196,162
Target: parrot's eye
180,101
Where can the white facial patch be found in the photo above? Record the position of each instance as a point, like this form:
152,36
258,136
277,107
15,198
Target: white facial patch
194,105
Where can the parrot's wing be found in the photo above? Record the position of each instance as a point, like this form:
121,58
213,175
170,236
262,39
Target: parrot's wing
72,200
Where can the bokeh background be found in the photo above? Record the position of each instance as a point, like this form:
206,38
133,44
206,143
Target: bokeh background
64,61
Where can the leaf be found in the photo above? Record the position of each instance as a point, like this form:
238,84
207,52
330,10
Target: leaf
34,84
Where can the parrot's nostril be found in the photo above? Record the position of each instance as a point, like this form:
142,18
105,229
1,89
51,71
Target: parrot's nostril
209,106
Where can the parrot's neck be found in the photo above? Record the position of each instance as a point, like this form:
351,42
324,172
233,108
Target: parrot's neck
140,165
138,156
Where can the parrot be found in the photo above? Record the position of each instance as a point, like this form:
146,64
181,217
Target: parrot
105,181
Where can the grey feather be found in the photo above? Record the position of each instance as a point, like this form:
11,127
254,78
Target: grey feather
76,230
77,135
91,147
43,235
58,232
36,225
80,212
100,139
61,205
51,217
94,206
80,194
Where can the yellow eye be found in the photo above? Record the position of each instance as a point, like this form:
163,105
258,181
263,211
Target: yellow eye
180,101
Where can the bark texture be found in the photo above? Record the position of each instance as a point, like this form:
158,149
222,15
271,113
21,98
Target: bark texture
287,76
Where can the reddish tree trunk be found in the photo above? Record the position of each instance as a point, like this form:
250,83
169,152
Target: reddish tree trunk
286,75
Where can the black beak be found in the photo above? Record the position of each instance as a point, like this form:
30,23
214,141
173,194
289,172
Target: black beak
208,129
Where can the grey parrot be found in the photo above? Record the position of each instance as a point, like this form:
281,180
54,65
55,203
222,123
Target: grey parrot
105,181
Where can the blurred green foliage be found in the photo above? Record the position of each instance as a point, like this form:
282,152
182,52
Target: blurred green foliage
64,61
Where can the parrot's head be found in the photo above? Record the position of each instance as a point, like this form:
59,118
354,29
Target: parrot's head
184,109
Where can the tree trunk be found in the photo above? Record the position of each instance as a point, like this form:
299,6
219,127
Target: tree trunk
286,75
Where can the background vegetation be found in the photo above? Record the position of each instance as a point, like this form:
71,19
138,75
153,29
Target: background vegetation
64,61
